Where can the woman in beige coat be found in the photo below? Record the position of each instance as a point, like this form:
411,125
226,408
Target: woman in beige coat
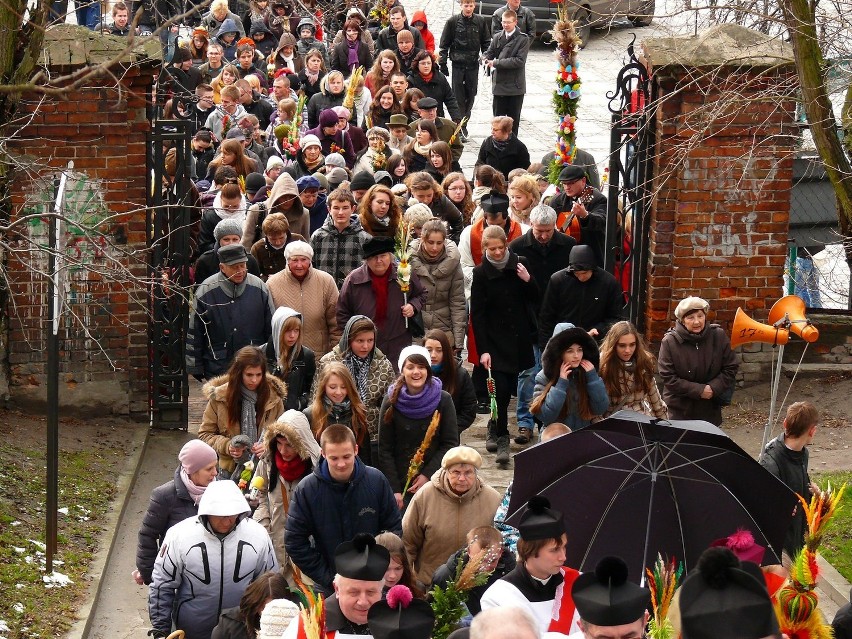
291,454
441,513
437,262
243,402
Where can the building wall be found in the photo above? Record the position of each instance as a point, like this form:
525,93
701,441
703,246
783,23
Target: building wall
720,213
103,330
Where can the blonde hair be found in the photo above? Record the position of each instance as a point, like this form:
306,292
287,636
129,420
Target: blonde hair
493,232
527,184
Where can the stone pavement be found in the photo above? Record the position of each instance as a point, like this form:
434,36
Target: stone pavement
600,62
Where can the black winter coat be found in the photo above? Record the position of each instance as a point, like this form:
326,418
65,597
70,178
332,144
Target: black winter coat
301,377
340,57
502,310
444,209
463,39
399,440
324,513
321,101
439,89
543,260
687,363
791,467
230,625
464,399
514,156
170,504
597,303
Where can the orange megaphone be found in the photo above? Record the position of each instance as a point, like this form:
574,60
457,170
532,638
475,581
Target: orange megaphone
746,330
793,307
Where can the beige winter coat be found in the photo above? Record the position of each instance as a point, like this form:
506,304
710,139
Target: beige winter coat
437,521
316,299
274,501
445,307
217,431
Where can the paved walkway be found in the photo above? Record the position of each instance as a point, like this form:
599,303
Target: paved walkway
120,612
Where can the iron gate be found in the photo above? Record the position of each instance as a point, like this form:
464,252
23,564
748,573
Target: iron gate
631,174
168,230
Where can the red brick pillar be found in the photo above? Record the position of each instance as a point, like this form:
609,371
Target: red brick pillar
723,173
102,128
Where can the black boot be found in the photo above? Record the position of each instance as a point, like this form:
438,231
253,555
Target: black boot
502,450
491,437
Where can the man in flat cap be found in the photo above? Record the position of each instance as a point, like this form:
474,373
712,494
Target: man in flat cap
540,583
360,565
428,109
581,210
231,310
610,606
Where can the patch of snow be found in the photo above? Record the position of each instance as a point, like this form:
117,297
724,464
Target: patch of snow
4,627
56,580
28,559
62,511
18,607
18,549
38,544
15,523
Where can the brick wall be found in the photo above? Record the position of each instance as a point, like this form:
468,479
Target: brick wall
103,334
723,174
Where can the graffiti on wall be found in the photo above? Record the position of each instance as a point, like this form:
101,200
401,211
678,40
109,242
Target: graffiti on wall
722,241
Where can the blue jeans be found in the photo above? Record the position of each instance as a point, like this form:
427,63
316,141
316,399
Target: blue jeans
526,385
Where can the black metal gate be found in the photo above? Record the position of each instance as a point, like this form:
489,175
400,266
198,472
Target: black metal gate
168,229
632,141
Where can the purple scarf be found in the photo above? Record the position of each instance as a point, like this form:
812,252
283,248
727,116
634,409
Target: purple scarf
421,405
352,60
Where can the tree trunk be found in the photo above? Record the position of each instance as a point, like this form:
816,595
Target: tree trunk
811,65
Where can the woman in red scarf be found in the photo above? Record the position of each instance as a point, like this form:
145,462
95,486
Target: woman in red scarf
434,84
291,453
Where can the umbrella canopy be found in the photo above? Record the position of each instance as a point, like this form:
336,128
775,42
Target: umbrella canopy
634,486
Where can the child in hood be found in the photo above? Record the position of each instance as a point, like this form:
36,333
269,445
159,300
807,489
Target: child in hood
307,40
421,23
264,41
227,36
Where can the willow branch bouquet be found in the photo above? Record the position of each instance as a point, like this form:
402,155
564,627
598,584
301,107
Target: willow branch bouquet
416,462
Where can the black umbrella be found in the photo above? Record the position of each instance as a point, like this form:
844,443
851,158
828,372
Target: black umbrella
633,486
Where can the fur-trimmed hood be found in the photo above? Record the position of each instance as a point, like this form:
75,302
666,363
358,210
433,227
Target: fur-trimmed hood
565,334
295,427
217,388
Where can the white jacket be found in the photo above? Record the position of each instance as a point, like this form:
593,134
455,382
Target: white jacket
197,574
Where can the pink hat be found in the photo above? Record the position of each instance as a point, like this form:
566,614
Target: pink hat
196,455
742,544
342,112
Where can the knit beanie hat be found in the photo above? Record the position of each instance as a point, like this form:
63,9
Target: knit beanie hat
196,455
275,618
327,118
227,227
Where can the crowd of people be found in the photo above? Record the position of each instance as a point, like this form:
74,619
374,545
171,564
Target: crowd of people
343,266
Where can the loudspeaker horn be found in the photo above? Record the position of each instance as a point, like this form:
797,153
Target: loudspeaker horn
746,330
793,307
